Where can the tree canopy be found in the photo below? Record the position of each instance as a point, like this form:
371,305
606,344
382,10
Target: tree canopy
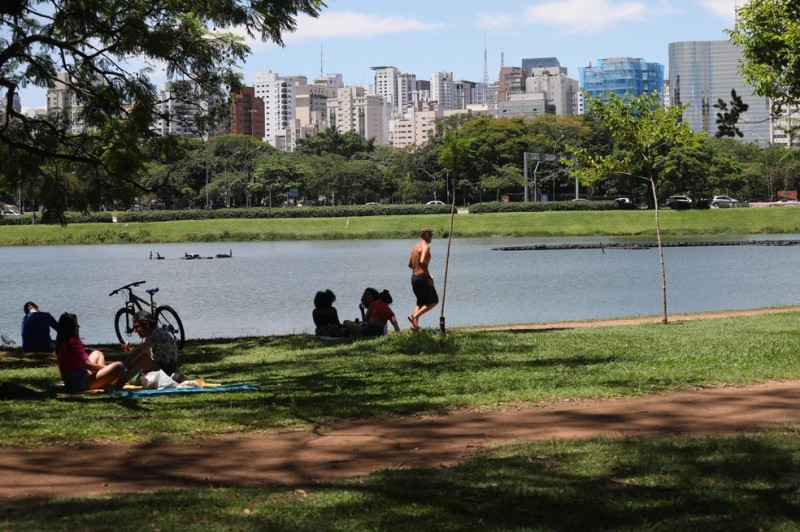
106,53
769,32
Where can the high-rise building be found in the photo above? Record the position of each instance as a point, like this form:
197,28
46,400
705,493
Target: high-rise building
61,100
548,63
511,81
354,110
246,116
181,106
622,76
701,73
279,97
443,90
559,89
387,86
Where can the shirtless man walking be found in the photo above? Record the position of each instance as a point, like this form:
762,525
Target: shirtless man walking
421,280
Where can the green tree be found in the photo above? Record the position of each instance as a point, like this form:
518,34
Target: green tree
98,45
644,132
768,32
349,145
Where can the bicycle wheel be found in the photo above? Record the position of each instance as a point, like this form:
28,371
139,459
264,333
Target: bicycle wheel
168,318
123,324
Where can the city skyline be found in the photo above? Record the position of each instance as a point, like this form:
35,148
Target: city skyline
351,36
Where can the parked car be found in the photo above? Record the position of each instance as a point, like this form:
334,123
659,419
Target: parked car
679,202
372,203
625,203
435,202
9,212
723,201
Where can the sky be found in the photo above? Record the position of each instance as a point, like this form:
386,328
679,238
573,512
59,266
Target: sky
425,36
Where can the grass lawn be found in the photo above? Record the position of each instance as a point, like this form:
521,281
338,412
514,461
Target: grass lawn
713,222
680,482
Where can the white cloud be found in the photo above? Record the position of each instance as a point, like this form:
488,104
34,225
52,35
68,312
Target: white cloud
352,24
724,9
585,16
337,24
495,21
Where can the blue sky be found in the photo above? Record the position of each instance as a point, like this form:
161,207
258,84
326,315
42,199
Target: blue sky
422,37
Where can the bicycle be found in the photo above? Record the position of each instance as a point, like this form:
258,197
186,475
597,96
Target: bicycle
164,314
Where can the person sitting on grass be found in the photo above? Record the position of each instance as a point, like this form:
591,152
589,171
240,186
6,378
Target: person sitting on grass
36,327
379,313
79,370
326,319
158,350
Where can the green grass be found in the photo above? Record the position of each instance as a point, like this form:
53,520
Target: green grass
304,380
674,483
582,223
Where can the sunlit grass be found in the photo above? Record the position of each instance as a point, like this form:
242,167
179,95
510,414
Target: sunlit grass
715,222
303,380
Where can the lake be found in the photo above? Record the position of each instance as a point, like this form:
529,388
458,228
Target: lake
267,288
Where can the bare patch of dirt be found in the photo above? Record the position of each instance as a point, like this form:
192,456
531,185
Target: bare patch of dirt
359,448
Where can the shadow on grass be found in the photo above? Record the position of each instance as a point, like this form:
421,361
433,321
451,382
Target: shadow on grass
676,483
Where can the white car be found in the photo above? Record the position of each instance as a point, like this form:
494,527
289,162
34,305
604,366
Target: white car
723,201
436,202
9,212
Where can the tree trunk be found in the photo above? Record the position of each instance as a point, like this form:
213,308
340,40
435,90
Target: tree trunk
660,254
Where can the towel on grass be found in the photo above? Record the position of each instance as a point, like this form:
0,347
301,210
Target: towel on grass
133,394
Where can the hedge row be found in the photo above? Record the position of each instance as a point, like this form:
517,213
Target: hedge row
253,213
319,212
497,206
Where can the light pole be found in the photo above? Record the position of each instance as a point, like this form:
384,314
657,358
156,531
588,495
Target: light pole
247,187
433,178
554,173
770,191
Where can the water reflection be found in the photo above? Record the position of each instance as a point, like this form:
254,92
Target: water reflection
267,287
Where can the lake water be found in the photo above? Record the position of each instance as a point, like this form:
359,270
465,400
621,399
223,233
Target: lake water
267,288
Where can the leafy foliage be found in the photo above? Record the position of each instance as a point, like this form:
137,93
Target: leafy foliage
104,52
769,33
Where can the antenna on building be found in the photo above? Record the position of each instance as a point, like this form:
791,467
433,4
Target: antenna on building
485,62
502,59
320,61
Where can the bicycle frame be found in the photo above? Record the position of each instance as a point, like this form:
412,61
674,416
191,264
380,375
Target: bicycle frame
165,315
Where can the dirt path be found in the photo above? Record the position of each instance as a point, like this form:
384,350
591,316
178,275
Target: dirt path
359,448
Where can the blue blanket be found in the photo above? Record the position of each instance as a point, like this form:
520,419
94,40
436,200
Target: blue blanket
135,394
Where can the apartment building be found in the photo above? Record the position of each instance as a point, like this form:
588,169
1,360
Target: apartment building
443,90
246,115
181,108
279,97
352,109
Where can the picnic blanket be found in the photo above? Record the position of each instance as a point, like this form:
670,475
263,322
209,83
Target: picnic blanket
138,393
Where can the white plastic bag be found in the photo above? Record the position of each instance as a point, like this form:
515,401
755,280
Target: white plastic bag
157,380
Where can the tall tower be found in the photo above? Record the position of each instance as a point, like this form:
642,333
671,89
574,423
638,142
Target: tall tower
485,62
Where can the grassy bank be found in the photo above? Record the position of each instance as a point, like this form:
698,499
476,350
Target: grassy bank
716,222
680,482
307,380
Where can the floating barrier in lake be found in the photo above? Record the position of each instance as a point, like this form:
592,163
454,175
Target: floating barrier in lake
648,245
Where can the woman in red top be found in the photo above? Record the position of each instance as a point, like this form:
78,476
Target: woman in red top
378,314
82,371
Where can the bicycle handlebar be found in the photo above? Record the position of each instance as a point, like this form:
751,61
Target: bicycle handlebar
126,287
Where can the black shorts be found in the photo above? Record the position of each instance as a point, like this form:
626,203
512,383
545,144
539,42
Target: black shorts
424,290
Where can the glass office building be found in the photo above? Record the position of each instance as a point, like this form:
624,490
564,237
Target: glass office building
701,73
622,76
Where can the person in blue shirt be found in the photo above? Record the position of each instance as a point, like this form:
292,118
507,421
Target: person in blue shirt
36,327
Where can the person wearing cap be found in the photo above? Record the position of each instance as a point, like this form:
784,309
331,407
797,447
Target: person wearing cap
36,327
421,279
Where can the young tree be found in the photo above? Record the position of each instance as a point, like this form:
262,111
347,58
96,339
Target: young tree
644,132
104,52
